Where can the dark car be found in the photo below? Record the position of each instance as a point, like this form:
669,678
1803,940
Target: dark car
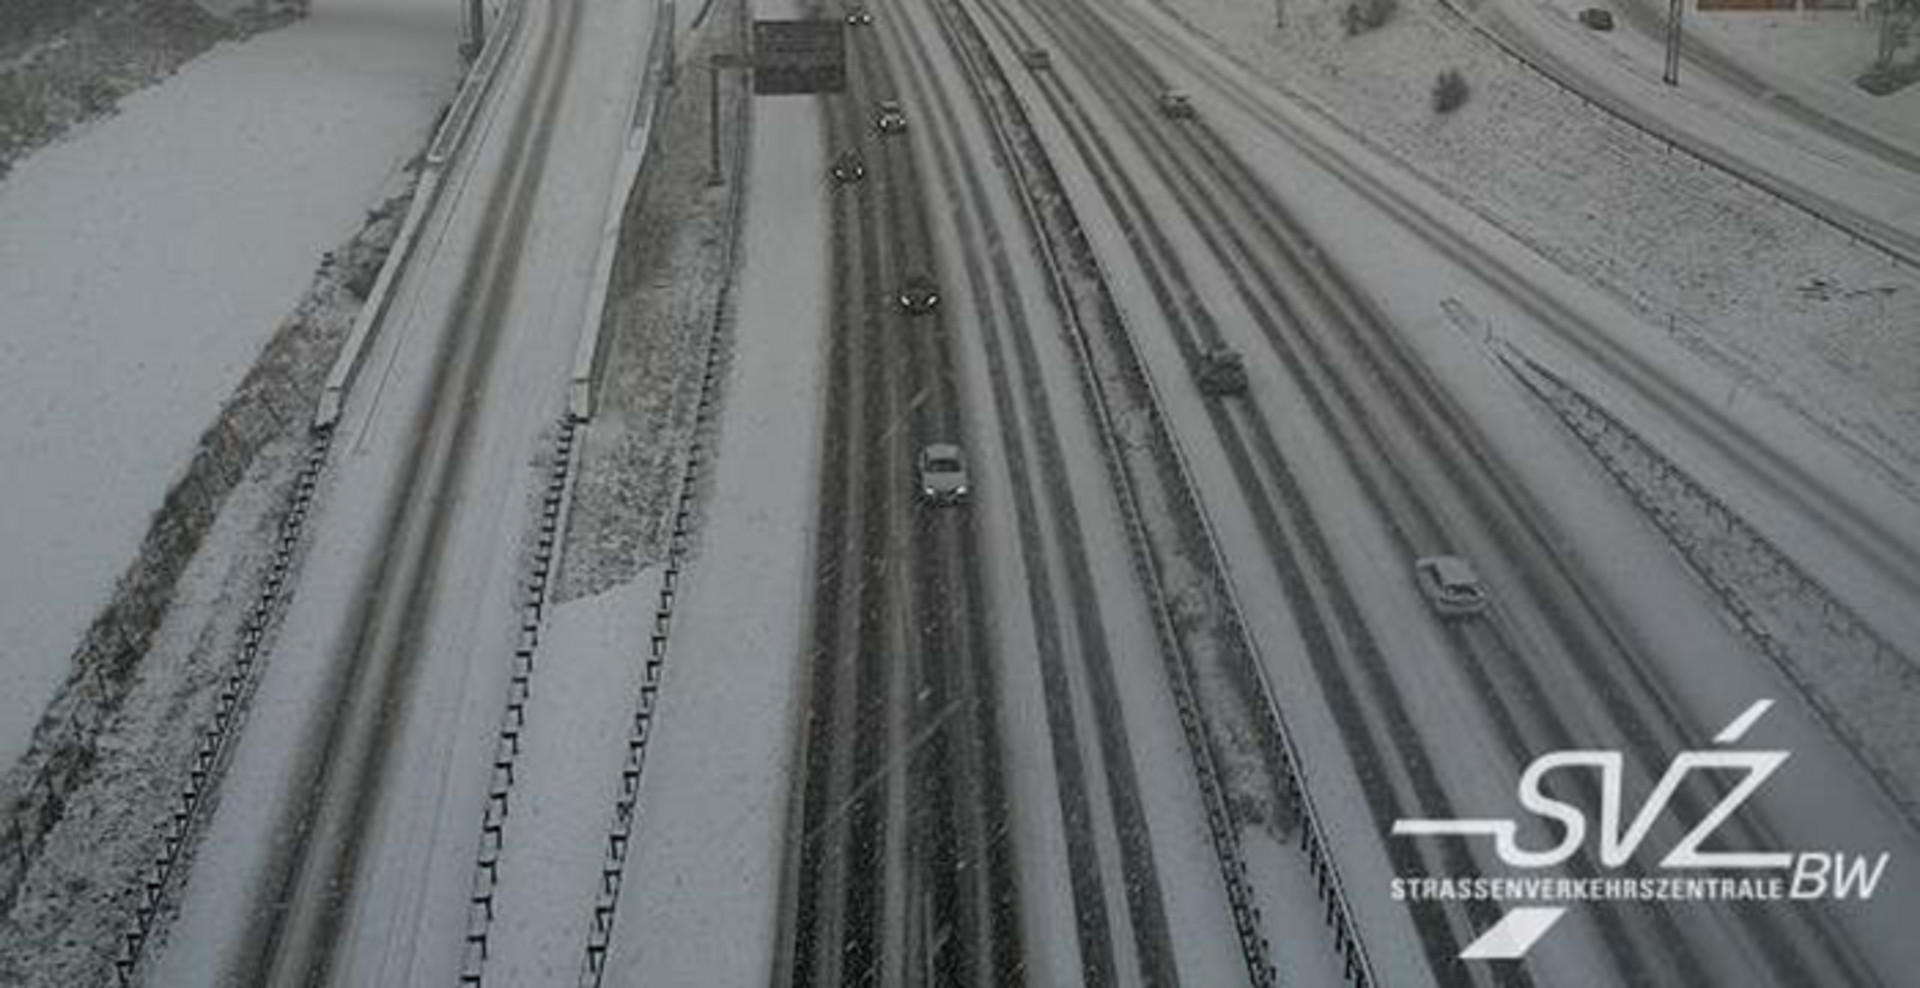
919,295
942,474
1450,585
848,168
1597,19
1222,373
859,16
1036,59
889,117
1176,105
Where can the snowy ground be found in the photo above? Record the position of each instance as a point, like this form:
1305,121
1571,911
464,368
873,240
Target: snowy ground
145,261
1422,225
1817,55
702,893
1835,149
666,283
62,64
1777,301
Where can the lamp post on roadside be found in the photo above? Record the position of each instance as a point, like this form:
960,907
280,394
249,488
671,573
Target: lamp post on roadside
724,60
475,30
1672,77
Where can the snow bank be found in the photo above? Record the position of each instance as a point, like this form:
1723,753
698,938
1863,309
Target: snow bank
143,266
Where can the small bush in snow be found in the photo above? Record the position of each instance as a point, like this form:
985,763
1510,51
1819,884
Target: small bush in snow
1449,91
1365,15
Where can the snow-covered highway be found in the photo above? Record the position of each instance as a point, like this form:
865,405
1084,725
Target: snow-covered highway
1106,498
343,846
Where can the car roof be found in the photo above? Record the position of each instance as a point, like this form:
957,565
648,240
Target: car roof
1450,570
941,451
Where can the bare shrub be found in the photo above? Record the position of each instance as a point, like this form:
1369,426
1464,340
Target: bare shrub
1449,91
1365,15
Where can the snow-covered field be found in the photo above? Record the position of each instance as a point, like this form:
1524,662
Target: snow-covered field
144,263
63,64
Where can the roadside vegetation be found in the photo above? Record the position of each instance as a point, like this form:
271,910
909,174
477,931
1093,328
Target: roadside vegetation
63,63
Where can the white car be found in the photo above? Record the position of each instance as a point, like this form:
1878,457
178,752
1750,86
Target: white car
942,474
1450,586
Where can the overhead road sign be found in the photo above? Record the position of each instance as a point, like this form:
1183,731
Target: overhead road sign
798,57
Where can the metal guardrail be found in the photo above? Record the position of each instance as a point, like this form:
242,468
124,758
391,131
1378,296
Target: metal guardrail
626,807
543,564
1223,830
218,735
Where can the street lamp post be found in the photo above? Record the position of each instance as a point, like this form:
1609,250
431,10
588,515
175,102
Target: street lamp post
476,30
1674,11
724,60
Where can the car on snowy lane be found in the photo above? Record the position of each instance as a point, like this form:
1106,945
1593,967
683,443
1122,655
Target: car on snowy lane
942,474
919,295
1451,586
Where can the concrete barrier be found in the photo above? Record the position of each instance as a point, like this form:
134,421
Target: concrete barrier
446,143
650,108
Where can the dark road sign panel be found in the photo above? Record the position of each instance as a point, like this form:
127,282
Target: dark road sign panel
799,57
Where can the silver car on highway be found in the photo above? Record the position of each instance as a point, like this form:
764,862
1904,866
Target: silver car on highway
942,474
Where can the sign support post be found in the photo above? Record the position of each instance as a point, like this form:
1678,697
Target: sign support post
476,30
714,65
1672,77
713,124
